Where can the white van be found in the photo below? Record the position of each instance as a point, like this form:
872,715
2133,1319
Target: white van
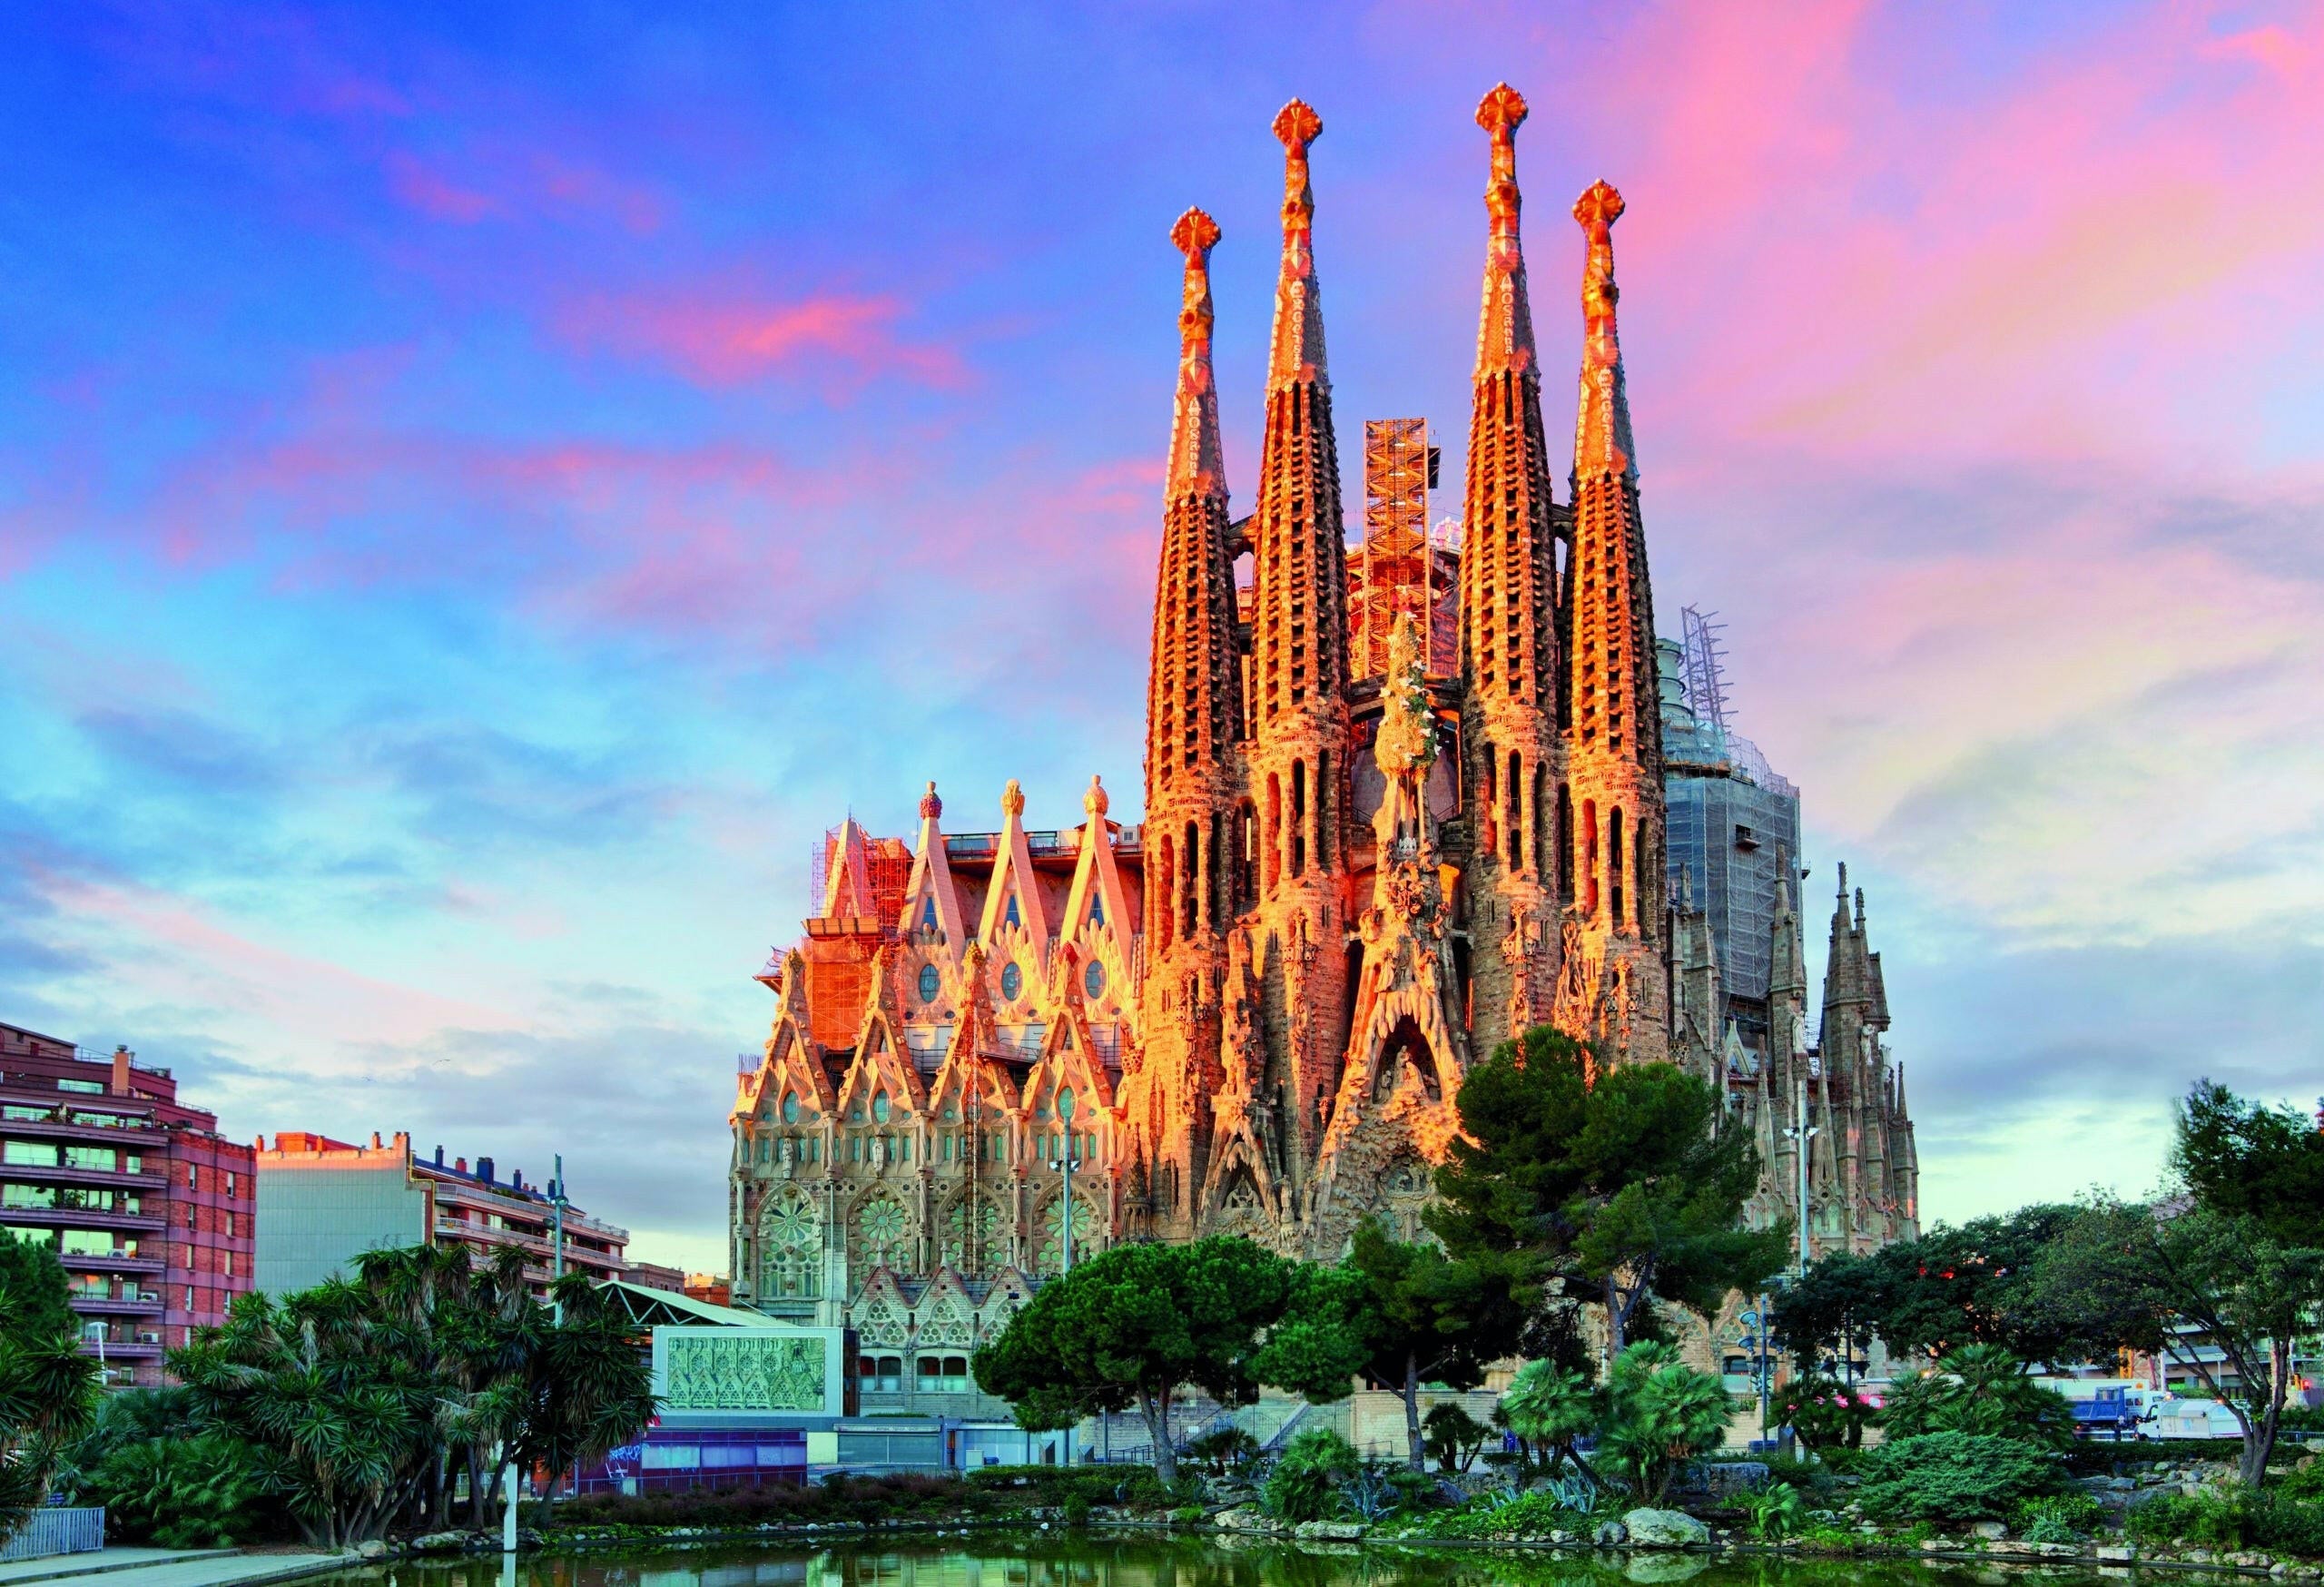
2191,1419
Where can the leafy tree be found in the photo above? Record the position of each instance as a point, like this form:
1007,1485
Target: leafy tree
1832,1309
1659,1414
1981,1389
1955,1477
1131,1325
2188,1281
48,1392
1451,1437
1409,1314
2247,1159
198,1493
1967,1284
1619,1179
362,1398
35,1291
1551,1407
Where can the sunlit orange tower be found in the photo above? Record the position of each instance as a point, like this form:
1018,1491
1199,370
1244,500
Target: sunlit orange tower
1514,771
1614,981
1299,676
1194,784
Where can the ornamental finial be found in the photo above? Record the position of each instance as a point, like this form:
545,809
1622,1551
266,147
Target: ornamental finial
1012,800
1197,466
1296,351
1095,800
930,806
1500,113
1603,436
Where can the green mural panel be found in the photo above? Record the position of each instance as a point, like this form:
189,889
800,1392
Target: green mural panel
743,1371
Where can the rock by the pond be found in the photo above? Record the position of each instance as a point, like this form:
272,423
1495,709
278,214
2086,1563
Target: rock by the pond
1991,1531
1609,1535
372,1549
1664,1529
1329,1531
441,1542
2117,1554
1243,1518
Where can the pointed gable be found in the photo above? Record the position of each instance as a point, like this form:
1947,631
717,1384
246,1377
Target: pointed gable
1012,901
931,909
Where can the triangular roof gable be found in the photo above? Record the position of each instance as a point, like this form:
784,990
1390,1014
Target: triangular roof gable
1068,1057
965,1067
931,890
848,893
1013,878
1098,882
881,1058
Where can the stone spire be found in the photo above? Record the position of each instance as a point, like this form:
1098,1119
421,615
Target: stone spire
1601,432
1299,640
1614,725
1509,641
1196,464
1192,705
1296,350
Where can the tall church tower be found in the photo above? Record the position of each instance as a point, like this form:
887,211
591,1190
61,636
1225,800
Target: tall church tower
1298,775
1193,775
1514,771
1614,984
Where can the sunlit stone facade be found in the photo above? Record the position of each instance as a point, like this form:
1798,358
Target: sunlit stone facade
1253,1011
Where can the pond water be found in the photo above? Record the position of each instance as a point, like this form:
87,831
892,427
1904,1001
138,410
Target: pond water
997,1559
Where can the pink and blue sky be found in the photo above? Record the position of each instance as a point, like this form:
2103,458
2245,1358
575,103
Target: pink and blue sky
482,488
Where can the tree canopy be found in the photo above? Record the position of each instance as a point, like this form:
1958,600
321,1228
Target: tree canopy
48,1387
35,1294
1619,1179
1131,1325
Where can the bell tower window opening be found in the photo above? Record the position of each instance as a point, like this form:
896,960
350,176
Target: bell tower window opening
1323,806
1298,818
1614,863
1190,880
1513,812
1589,856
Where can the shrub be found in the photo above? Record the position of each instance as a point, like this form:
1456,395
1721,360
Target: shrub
2288,1526
1661,1413
1451,1437
1954,1476
2059,1518
1562,1505
1981,1389
198,1492
2206,1520
1225,1449
1775,1511
1305,1483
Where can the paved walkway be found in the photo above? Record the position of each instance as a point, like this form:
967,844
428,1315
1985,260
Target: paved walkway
128,1567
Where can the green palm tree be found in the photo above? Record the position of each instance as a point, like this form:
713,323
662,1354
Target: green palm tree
1551,1407
1661,1413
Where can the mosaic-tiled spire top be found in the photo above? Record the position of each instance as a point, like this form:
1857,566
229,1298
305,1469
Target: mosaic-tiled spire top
1296,351
1197,458
1299,633
1505,324
1602,434
1193,701
1508,606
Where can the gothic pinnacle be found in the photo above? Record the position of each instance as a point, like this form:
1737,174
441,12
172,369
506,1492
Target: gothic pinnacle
1196,458
1505,323
1601,439
1296,351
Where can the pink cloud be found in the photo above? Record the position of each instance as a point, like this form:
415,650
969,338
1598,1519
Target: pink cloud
1858,248
437,196
845,339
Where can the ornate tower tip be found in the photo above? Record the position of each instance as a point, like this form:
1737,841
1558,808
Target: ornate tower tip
1012,799
1502,110
1094,801
1601,206
1194,233
930,806
1296,125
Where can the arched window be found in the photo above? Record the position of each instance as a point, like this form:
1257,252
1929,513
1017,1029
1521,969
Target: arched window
1324,807
1589,856
1299,818
1512,824
1614,861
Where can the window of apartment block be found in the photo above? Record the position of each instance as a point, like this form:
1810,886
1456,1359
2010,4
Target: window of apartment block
83,1088
189,1181
40,1154
100,1157
231,1191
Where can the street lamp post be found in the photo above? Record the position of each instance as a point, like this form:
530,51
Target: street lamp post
1064,1165
1803,1132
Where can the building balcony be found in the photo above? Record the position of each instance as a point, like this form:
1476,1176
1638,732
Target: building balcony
78,1178
125,1349
117,1303
110,1261
81,1131
93,1218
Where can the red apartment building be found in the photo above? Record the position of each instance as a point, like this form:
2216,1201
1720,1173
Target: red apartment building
150,1210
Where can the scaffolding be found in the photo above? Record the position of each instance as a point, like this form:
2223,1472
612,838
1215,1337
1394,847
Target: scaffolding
1400,569
884,866
1706,667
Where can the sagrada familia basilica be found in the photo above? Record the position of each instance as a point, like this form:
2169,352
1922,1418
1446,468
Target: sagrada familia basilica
1373,848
